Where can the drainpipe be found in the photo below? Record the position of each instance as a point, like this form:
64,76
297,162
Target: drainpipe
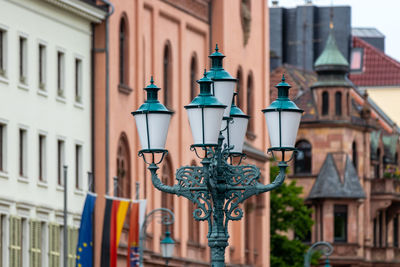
210,25
107,93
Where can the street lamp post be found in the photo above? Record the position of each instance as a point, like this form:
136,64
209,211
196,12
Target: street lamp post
217,188
166,217
323,246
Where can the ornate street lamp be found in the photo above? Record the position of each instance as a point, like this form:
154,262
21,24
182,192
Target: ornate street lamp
217,188
167,246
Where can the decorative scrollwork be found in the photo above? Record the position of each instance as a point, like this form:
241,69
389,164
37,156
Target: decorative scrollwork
190,177
241,175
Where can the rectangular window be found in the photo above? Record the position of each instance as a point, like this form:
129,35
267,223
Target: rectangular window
2,143
72,243
340,221
42,158
78,80
60,73
22,152
356,59
60,161
42,67
78,166
23,70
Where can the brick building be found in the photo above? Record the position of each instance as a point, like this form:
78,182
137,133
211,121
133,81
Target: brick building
171,40
347,163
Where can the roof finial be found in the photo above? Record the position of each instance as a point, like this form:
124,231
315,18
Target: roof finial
331,17
216,48
151,80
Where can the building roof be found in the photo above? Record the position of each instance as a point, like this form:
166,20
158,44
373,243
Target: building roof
366,33
337,179
331,57
378,69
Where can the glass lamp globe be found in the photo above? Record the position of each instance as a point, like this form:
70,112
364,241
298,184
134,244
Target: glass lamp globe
283,120
152,121
205,114
236,129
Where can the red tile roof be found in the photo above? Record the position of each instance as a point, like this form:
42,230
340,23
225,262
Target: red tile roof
378,68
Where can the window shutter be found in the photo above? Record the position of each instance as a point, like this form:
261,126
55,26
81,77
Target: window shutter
35,243
15,242
54,242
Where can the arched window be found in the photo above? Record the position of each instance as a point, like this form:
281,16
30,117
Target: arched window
250,102
194,225
354,148
123,52
167,75
123,188
302,160
338,104
325,103
167,200
193,74
239,88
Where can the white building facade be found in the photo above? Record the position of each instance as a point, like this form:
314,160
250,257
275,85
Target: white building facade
45,123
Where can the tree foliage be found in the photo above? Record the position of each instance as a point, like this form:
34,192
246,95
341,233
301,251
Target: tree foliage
288,212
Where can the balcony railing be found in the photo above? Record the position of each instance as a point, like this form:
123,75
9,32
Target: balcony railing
385,186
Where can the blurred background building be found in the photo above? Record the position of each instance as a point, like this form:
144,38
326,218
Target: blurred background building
348,161
45,123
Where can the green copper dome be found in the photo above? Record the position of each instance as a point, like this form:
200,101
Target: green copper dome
331,57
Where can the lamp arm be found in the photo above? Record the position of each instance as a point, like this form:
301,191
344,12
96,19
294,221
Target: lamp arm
158,183
261,188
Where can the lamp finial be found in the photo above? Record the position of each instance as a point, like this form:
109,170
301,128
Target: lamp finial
283,77
151,80
216,47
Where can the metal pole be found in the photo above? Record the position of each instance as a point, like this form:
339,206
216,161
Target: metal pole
115,186
318,246
90,182
137,190
167,218
65,218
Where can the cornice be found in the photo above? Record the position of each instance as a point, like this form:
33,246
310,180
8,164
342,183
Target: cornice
80,8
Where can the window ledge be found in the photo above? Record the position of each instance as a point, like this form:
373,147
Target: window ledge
42,92
79,192
60,188
61,99
23,86
124,89
22,179
4,79
4,175
78,105
42,184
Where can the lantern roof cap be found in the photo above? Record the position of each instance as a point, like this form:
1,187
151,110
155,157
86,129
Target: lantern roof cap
217,72
283,103
152,105
235,110
167,239
205,98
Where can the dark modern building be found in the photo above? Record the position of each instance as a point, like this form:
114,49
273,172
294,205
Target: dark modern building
298,35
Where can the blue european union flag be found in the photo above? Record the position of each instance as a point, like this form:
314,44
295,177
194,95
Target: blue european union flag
84,255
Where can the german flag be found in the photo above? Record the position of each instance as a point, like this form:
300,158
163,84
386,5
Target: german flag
114,217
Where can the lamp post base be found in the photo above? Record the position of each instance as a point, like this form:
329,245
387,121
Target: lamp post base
218,246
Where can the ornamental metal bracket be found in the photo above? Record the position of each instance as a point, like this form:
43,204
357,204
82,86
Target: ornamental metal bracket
217,189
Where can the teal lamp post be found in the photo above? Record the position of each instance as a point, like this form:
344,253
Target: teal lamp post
217,188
